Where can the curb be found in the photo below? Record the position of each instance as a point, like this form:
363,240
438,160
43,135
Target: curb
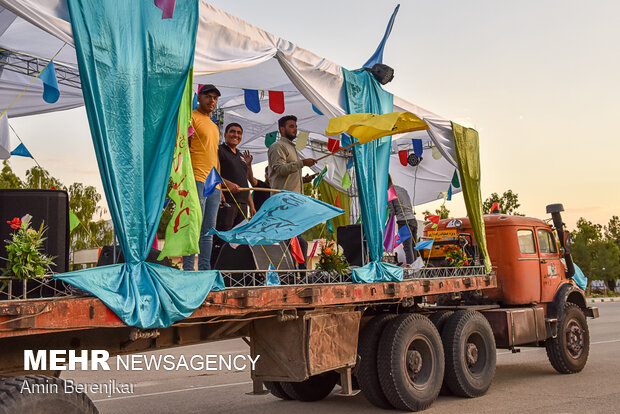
595,300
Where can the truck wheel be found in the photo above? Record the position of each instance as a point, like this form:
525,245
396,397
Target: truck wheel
314,388
46,395
439,319
367,374
275,388
410,362
568,352
469,347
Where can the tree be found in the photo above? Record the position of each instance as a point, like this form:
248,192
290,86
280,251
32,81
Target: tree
442,212
508,203
83,201
597,256
612,230
38,177
8,179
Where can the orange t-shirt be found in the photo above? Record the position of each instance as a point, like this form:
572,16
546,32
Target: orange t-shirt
203,146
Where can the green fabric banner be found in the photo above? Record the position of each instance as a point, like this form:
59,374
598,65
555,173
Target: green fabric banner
183,230
468,157
328,195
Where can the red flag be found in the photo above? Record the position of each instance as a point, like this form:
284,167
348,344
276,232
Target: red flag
433,219
313,251
333,145
276,101
402,156
337,201
296,250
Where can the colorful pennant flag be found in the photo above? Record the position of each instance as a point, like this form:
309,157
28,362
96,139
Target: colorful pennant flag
319,178
73,221
391,194
272,278
402,235
51,93
337,201
302,140
270,138
350,163
359,220
436,153
166,202
252,102
455,180
195,102
296,251
276,101
433,219
315,109
313,251
450,193
167,7
330,226
402,157
213,179
346,181
418,149
425,244
333,145
345,140
388,238
22,151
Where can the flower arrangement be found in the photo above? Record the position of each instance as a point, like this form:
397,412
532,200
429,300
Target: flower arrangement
455,256
25,259
332,261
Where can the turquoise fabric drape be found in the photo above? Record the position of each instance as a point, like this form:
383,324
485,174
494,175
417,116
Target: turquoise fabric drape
133,66
364,95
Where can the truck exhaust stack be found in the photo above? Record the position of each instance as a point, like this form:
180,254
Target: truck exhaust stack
555,210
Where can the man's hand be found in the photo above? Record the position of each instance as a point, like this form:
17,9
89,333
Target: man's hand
252,211
308,162
234,188
247,157
308,178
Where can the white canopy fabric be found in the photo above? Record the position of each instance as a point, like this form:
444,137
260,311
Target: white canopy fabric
231,54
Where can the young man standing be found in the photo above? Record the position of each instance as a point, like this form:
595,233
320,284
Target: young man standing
203,151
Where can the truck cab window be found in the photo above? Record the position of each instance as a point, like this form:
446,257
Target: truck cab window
526,241
546,241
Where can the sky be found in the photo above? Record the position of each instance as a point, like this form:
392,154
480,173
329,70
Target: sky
537,79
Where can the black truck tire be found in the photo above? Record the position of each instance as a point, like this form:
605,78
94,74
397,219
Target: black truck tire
568,352
314,388
410,362
367,374
275,388
469,347
14,399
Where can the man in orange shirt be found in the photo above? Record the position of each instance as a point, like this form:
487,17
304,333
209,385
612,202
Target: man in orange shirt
203,151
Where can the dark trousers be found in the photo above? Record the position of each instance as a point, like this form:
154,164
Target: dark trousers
227,218
410,254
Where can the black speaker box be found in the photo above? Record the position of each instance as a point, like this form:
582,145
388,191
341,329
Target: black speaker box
51,206
106,257
350,239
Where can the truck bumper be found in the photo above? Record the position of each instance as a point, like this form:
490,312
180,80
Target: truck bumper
591,312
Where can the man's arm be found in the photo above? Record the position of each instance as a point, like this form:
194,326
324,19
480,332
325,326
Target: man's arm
251,204
247,157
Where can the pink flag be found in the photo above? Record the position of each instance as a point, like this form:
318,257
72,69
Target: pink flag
190,131
391,195
167,7
314,249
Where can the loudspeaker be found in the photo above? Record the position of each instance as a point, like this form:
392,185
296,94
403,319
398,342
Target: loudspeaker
382,73
106,257
51,206
245,257
350,238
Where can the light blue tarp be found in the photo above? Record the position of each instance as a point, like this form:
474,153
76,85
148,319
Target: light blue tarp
365,95
133,66
580,278
283,216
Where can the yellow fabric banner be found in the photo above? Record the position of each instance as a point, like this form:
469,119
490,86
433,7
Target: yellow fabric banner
368,127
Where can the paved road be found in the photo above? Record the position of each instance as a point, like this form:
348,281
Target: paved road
524,383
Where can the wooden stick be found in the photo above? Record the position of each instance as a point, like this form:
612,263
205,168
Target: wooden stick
341,149
272,190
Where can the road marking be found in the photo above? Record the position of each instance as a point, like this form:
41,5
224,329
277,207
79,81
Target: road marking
174,391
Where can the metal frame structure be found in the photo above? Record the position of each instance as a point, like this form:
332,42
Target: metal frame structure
32,66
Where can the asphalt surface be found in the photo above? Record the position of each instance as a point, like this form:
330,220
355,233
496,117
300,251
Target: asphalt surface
524,383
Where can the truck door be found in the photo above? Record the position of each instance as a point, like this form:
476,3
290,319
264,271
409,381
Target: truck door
551,267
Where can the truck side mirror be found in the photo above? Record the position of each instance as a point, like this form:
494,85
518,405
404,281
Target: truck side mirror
568,242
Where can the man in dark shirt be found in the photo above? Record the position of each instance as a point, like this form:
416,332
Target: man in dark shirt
234,172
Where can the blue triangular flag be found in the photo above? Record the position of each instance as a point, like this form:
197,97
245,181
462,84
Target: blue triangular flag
426,244
377,57
211,183
315,109
418,149
166,202
403,234
350,163
450,193
22,151
272,277
195,102
251,100
50,84
345,140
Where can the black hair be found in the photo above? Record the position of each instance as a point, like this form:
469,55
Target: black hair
282,121
233,124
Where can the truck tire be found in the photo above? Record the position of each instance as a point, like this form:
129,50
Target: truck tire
367,374
469,347
15,399
439,319
410,362
275,388
314,388
568,352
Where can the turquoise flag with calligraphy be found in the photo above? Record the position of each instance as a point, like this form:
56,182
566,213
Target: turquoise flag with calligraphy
282,217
